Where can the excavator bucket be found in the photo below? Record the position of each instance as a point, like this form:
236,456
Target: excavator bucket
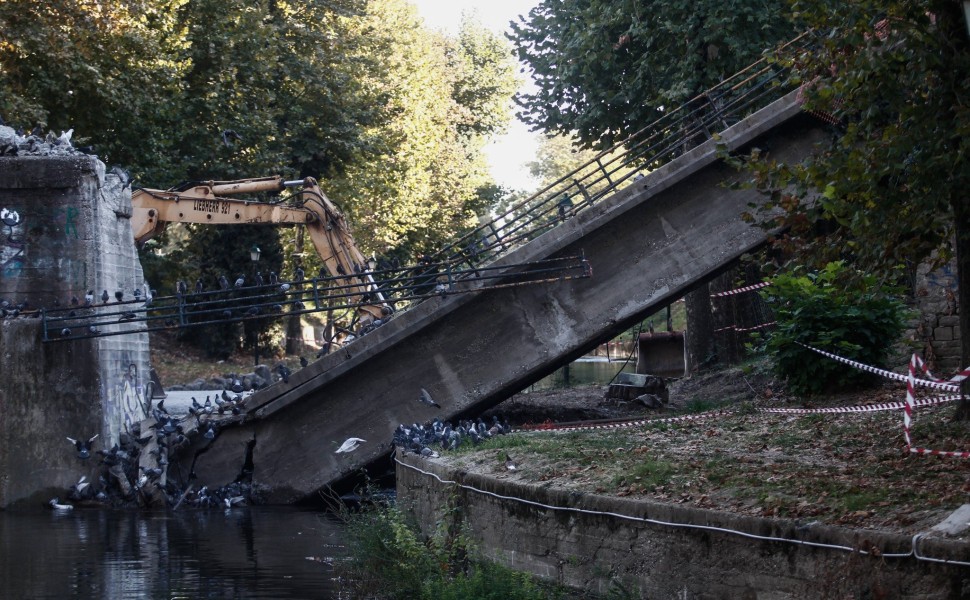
661,353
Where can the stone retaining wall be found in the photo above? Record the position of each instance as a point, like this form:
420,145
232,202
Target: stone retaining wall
938,327
594,542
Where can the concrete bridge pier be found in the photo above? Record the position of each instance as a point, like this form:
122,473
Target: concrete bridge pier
64,230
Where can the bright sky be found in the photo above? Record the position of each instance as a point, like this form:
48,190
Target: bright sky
508,154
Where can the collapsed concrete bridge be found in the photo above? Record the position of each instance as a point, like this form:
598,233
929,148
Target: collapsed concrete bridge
648,244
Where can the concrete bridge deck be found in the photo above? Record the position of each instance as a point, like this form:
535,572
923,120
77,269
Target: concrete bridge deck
648,245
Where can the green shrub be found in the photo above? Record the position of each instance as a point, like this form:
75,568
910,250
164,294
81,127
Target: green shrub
839,310
390,559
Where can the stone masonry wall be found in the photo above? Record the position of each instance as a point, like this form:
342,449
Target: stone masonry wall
938,328
596,543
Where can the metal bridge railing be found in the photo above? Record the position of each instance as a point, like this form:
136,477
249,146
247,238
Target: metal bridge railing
672,134
396,289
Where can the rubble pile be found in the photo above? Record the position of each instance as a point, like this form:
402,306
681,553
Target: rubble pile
36,143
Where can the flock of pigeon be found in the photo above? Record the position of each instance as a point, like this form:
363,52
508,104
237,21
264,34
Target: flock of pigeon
16,142
126,482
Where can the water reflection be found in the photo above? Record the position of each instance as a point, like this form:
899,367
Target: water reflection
585,371
243,553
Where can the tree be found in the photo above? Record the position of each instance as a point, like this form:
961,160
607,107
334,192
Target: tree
443,98
892,186
605,68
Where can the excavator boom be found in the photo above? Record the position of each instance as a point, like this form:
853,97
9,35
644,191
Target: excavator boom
210,203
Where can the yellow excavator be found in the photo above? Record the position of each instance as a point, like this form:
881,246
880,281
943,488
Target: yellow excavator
211,202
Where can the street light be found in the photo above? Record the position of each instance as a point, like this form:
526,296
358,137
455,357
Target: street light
254,256
372,263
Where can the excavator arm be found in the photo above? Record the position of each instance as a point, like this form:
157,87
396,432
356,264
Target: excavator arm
211,203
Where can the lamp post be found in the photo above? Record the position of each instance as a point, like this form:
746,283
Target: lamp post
254,256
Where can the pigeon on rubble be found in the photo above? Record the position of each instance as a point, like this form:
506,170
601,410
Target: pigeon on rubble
426,398
83,447
122,174
349,445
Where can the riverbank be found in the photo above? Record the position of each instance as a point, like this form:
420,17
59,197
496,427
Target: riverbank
717,447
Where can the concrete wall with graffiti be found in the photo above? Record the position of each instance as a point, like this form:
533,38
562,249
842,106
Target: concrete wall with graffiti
65,233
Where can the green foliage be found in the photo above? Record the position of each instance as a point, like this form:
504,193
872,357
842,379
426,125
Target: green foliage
605,68
389,556
392,118
890,186
838,310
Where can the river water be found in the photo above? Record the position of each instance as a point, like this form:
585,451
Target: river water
271,553
241,554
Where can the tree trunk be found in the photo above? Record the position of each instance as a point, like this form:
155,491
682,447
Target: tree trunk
699,342
961,216
727,317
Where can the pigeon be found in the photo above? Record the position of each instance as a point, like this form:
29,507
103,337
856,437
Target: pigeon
119,295
303,361
181,288
425,398
78,488
89,298
83,447
229,136
350,445
66,332
284,373
122,174
104,296
510,464
240,281
93,330
75,301
55,503
199,288
273,278
223,282
259,279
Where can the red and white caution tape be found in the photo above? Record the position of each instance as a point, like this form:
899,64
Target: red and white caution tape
745,329
914,363
593,425
741,290
950,386
861,408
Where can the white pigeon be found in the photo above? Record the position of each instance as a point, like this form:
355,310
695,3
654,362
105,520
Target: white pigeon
350,445
55,503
